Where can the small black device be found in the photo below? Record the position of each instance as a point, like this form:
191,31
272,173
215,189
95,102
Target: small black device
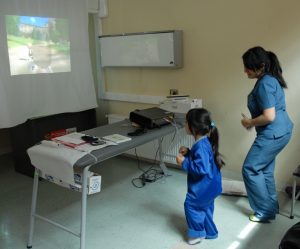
151,118
92,140
137,132
89,139
98,142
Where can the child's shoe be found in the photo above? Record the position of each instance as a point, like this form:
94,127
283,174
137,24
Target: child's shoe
194,241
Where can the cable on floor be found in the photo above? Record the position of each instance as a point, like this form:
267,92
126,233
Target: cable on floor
148,176
151,175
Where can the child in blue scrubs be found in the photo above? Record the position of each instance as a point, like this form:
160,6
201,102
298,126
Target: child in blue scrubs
202,163
266,103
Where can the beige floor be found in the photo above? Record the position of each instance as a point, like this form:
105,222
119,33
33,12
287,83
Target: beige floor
124,217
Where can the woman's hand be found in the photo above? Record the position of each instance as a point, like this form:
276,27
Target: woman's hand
246,122
267,117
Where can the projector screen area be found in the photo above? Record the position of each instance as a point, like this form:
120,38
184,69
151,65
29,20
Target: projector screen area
45,62
37,44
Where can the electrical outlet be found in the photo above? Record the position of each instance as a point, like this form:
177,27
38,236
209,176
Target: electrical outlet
173,91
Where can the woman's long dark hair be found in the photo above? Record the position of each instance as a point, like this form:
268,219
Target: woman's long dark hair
257,58
200,123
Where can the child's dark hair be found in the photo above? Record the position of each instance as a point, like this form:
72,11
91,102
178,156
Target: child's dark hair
200,123
257,58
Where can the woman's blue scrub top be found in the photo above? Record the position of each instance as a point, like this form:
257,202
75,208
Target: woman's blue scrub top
268,93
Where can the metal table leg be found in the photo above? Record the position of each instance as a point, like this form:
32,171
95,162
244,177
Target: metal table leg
293,200
295,195
33,207
34,215
83,208
162,165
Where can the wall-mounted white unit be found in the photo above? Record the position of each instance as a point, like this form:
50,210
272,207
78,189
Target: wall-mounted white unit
150,49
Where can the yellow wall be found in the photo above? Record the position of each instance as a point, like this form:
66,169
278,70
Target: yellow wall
216,34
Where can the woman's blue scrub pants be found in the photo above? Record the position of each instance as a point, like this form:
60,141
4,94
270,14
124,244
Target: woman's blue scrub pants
258,174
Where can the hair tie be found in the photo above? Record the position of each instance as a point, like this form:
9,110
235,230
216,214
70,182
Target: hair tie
212,124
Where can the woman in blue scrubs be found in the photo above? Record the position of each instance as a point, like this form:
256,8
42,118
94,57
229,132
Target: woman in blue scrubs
266,103
202,163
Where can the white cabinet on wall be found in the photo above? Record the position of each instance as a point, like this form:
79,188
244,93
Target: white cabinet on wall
145,49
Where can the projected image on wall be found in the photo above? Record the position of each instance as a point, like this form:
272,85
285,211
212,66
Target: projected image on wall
38,44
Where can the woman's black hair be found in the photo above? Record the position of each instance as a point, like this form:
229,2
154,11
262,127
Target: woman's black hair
200,123
257,58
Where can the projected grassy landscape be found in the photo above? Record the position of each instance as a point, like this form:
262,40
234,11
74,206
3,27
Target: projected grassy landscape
37,44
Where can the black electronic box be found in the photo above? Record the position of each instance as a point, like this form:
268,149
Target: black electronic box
151,118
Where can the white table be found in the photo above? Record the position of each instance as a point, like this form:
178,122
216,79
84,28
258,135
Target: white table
87,161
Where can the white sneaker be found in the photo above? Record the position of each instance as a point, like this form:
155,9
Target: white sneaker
194,241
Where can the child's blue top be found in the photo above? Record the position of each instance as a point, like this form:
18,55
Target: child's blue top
204,177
